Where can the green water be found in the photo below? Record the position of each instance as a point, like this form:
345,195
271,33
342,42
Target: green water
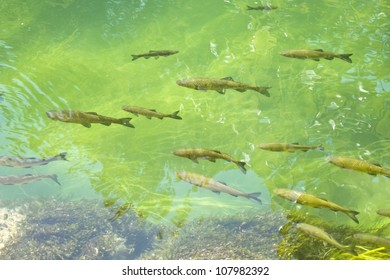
77,55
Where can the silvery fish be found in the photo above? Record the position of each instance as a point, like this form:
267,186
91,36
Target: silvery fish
219,85
384,212
314,201
324,236
29,162
155,54
150,113
373,239
262,7
211,155
215,186
358,165
25,179
86,118
287,147
316,55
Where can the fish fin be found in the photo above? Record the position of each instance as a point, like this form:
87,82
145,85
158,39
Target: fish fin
153,110
295,143
329,58
241,90
149,117
54,178
135,56
61,155
352,214
175,115
233,195
254,197
216,151
319,50
250,8
87,125
212,160
316,59
126,122
320,147
377,164
345,57
228,79
92,113
194,160
216,192
222,91
241,165
106,123
263,91
135,114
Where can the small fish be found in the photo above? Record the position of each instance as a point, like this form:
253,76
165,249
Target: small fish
316,55
384,212
373,239
215,186
150,113
287,147
155,54
211,155
219,85
29,162
358,165
86,118
25,179
324,236
263,7
314,201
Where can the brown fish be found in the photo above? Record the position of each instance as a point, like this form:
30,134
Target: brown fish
262,7
316,55
383,212
155,54
150,113
29,162
25,179
373,239
287,147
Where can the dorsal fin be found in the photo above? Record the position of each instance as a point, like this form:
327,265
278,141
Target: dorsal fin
153,110
228,79
319,50
216,151
92,113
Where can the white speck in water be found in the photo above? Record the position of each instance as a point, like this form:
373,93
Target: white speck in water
361,89
332,123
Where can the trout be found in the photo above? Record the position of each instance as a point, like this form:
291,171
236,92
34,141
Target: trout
220,85
373,239
211,155
287,147
314,201
29,162
215,186
316,55
25,179
262,7
359,165
150,113
86,118
324,236
155,54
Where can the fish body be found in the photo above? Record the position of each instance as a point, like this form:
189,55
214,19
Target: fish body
29,162
25,179
207,154
384,212
215,186
324,236
262,7
358,165
150,113
287,147
86,118
314,201
316,55
373,239
155,54
219,85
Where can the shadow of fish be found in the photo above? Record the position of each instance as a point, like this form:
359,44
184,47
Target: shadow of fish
150,113
29,162
86,118
215,186
211,155
287,147
155,54
219,85
25,179
316,55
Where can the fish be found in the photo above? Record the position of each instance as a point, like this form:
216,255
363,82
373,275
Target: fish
215,186
13,161
324,236
25,179
150,113
359,165
316,55
211,155
287,147
220,85
383,212
86,118
373,239
155,54
262,7
314,201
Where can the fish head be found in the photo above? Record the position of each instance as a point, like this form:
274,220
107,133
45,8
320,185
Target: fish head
179,152
286,53
52,114
185,82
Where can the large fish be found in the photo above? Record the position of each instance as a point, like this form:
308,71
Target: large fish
287,147
155,54
314,201
219,85
150,113
211,155
29,162
25,179
262,7
358,165
215,186
373,239
85,118
316,55
324,236
383,212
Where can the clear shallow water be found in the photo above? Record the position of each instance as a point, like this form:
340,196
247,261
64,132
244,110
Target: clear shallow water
77,55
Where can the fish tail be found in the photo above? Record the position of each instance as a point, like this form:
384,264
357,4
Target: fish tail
351,249
345,57
263,91
135,56
352,214
241,165
175,115
254,197
126,122
54,177
250,8
62,156
320,147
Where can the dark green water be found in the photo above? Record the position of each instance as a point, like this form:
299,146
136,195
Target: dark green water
77,55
